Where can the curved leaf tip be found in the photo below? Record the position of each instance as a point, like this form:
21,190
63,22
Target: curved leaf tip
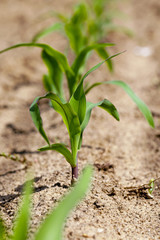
140,104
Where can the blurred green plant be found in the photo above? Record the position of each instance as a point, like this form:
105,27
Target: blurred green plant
76,29
52,227
102,14
90,22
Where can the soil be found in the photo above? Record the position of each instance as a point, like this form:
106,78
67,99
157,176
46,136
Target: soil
125,154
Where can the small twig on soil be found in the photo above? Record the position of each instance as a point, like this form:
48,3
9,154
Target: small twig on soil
14,158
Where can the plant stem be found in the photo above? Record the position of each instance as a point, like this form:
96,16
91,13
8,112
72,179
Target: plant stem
75,172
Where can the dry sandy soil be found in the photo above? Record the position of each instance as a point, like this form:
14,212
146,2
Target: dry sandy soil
125,154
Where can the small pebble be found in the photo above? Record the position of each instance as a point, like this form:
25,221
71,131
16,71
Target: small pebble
143,51
99,230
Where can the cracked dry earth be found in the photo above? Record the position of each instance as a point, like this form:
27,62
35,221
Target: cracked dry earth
125,154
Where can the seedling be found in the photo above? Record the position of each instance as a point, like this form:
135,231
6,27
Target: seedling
74,27
77,111
51,228
76,114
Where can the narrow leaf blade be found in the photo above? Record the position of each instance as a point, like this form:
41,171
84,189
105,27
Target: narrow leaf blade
61,149
47,83
69,116
140,104
2,230
99,64
22,221
36,118
74,28
51,229
78,102
55,73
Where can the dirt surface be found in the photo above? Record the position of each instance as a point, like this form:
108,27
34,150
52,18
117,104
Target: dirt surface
125,154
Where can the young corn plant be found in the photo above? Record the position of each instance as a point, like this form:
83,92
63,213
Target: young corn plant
76,114
77,111
52,227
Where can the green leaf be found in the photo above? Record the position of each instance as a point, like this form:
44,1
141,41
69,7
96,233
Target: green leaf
22,221
36,118
47,31
75,37
61,149
2,230
55,74
80,14
74,28
78,99
47,83
140,104
109,107
69,117
106,105
51,228
78,102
